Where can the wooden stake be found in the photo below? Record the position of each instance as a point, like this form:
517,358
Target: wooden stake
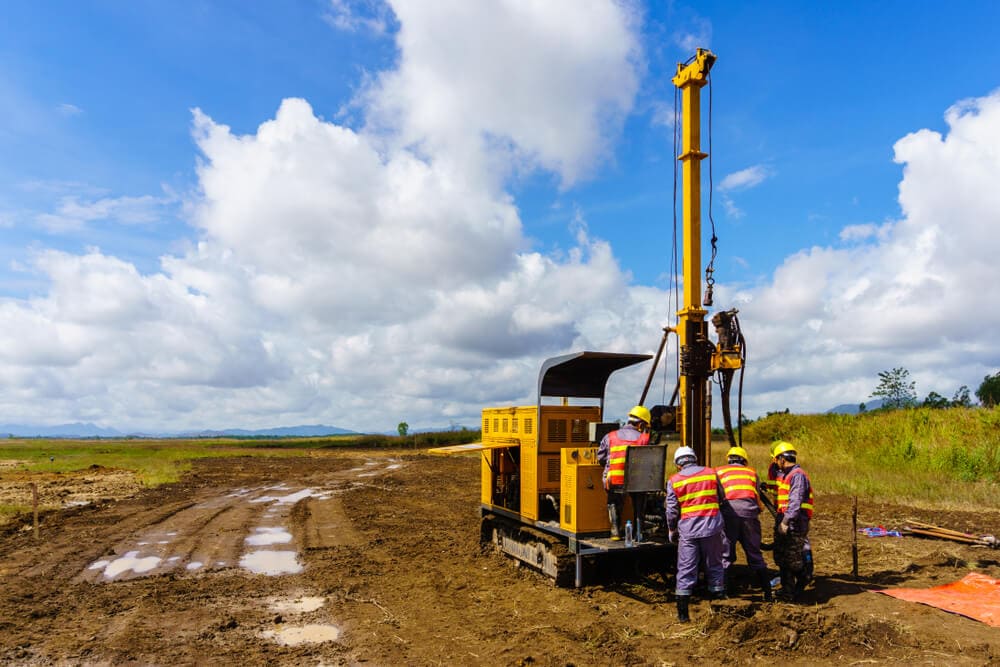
34,505
854,540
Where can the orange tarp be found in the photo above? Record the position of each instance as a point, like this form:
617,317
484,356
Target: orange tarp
975,596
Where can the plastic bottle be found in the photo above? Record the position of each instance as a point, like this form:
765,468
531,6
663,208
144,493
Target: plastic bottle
628,534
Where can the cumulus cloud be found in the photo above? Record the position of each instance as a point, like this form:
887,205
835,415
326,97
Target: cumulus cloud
912,293
357,277
514,85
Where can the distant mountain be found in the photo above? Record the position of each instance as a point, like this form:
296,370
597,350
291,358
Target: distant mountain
852,408
91,431
313,431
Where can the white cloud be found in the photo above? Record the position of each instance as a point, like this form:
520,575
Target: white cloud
353,277
515,85
745,179
699,36
358,15
74,214
915,294
67,109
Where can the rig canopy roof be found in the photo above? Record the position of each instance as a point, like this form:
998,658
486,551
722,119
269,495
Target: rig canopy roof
582,374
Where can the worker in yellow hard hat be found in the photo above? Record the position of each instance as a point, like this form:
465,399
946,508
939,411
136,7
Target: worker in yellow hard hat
770,487
792,551
611,454
741,514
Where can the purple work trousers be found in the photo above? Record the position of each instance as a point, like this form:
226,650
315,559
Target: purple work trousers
705,551
747,533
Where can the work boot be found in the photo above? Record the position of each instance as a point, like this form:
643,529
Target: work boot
765,585
801,579
787,592
718,594
613,517
682,608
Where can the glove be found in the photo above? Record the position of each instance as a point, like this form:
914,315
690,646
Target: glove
783,528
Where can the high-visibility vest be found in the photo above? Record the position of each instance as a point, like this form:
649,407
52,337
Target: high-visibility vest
618,448
773,473
698,495
738,481
785,485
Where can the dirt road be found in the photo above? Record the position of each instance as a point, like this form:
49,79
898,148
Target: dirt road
373,557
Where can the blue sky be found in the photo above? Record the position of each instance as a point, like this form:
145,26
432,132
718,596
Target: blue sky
455,192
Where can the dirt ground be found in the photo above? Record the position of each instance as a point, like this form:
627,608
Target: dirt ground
373,557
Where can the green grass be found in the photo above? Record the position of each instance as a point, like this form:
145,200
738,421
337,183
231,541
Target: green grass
923,456
162,461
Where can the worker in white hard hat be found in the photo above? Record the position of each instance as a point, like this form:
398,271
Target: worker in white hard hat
694,522
741,515
611,454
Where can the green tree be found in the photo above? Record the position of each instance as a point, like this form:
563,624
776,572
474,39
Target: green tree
989,391
862,407
896,389
936,400
403,429
961,398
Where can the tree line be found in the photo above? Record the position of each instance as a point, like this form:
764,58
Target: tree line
897,391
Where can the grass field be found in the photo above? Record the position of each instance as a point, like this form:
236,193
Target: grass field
940,458
925,457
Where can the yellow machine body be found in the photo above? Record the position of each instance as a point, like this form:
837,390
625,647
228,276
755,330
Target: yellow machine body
522,456
584,501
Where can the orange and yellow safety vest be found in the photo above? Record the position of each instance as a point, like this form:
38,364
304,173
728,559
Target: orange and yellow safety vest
738,481
698,494
785,485
617,450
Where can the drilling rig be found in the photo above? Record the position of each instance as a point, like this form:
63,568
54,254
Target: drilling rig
542,497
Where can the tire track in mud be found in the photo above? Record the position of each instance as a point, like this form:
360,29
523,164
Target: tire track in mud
262,529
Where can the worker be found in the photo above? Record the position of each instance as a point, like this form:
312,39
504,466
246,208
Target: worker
770,487
792,552
741,516
694,523
611,454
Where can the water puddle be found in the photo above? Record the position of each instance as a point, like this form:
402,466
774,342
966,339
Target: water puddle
268,536
273,563
129,562
314,633
301,605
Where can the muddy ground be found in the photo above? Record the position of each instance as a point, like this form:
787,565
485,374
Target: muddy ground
374,557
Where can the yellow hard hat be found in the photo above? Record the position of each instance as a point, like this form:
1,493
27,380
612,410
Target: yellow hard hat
780,447
738,451
639,412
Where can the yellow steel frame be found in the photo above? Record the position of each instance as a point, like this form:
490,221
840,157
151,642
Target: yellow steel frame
695,401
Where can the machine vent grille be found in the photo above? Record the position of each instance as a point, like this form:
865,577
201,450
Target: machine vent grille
568,513
486,426
513,425
580,431
557,430
505,426
496,424
552,468
527,425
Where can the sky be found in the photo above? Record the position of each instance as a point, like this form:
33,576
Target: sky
356,213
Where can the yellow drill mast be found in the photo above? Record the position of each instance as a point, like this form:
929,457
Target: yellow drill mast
695,418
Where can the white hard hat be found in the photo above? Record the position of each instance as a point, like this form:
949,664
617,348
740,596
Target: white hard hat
684,453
